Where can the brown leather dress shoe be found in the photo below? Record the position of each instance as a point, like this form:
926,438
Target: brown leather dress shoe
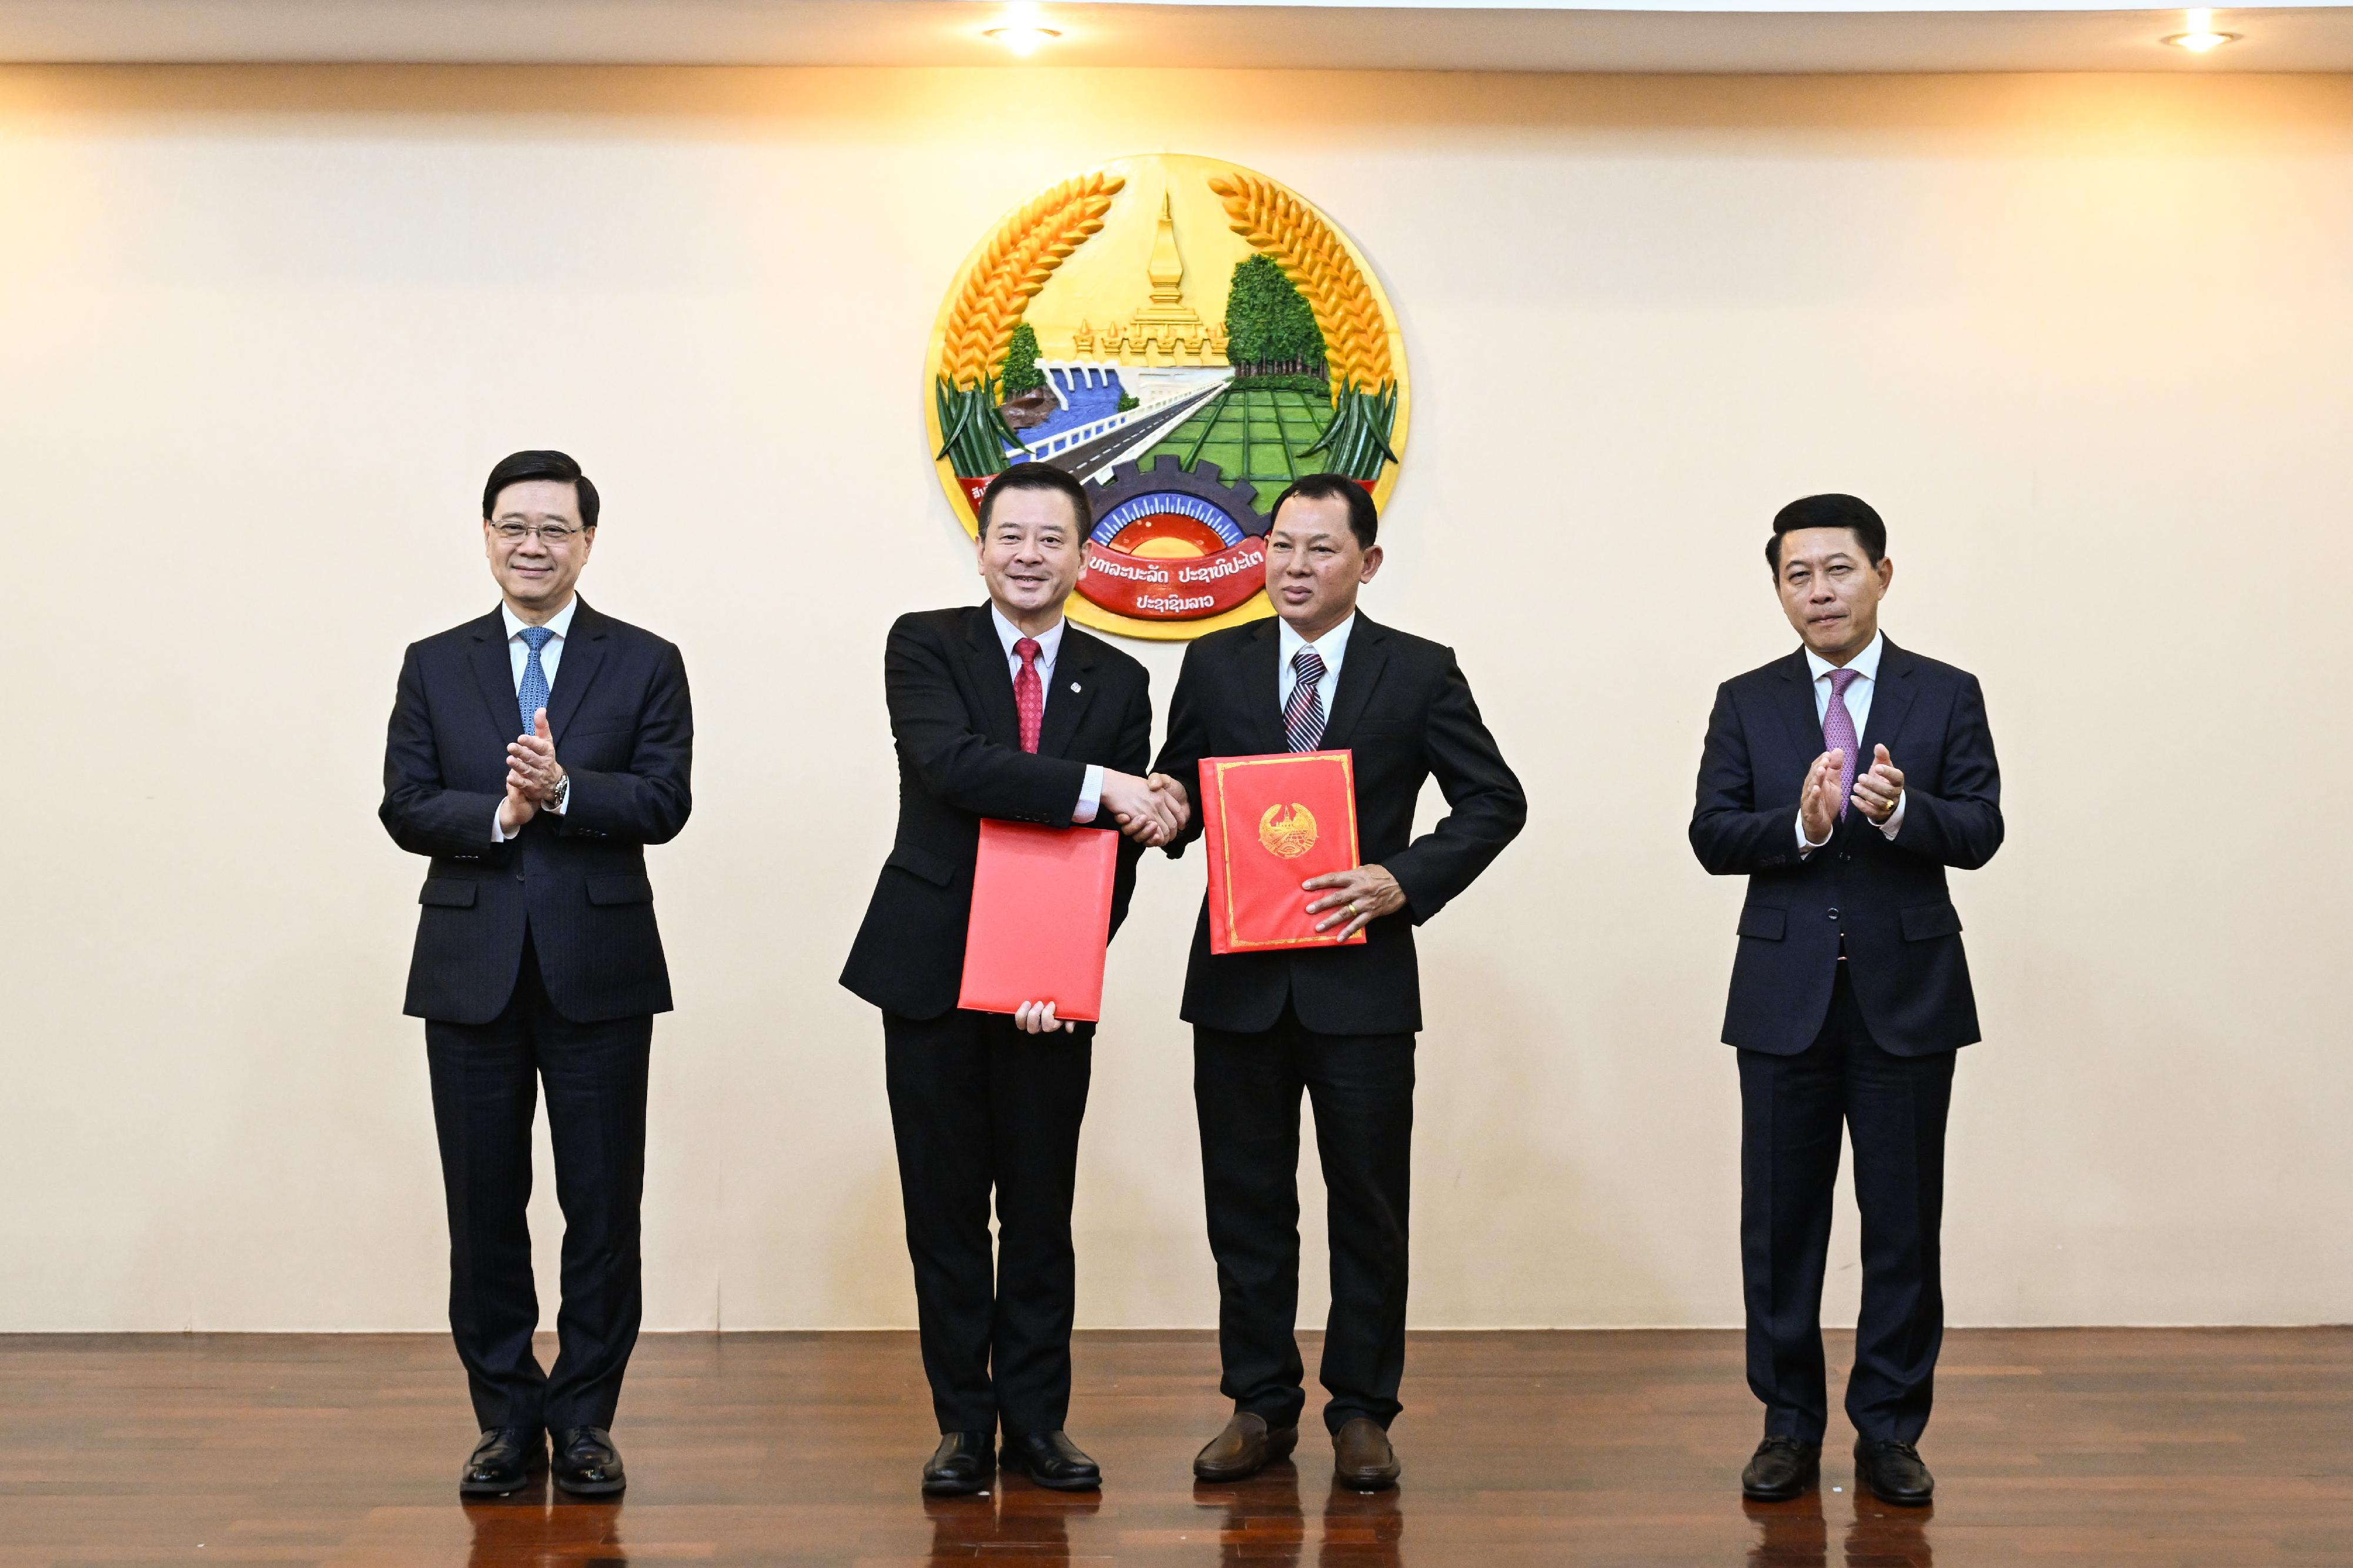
1245,1447
1362,1458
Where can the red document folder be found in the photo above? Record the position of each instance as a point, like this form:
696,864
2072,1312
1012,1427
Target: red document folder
1040,919
1270,822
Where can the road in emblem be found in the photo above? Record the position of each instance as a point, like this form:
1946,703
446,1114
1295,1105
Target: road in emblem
1187,337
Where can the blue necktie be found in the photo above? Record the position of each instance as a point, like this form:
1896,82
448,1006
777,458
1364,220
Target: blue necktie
532,695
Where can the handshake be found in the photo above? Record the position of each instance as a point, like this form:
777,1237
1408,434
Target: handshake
1152,811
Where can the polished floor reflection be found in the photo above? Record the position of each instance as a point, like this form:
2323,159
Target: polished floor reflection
2145,1448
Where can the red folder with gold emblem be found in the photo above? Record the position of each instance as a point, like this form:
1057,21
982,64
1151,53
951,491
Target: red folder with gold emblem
1270,822
1040,919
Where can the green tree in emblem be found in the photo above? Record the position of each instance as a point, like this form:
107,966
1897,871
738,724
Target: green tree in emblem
1270,329
1021,374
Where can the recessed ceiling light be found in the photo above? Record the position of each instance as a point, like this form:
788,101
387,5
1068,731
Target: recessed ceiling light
1022,40
2200,36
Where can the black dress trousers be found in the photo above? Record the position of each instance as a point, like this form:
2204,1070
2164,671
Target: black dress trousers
486,1078
1245,1089
977,1104
1793,1109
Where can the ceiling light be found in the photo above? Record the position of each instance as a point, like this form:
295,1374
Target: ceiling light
1022,40
2201,35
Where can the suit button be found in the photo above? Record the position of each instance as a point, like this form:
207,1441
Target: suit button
519,878
1834,914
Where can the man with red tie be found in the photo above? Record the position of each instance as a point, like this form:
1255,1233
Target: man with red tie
1841,780
1007,711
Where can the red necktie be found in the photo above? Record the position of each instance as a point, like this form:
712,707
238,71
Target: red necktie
1029,694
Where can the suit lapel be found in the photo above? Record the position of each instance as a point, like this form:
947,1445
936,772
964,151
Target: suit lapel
1888,704
1261,687
494,673
1795,697
1073,689
992,678
583,651
1368,656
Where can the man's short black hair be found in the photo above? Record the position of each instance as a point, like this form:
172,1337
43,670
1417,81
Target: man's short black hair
1039,477
516,467
1828,512
1364,516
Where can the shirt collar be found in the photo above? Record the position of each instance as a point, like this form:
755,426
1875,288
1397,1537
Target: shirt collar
559,623
1331,648
1865,664
1049,641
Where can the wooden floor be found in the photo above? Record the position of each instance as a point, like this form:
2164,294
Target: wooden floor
2122,1448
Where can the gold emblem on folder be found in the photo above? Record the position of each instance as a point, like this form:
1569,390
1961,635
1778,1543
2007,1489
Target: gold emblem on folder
1289,834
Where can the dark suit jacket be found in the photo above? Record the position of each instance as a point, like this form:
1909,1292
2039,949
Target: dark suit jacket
958,736
1903,934
1403,708
624,731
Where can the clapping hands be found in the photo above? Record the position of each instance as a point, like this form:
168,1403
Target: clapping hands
1822,798
532,774
1152,811
1878,793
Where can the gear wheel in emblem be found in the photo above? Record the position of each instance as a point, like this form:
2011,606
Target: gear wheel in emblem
1173,544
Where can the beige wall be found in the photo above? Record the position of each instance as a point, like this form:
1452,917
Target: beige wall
2085,342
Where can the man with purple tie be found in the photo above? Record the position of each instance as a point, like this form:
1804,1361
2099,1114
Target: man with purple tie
1842,780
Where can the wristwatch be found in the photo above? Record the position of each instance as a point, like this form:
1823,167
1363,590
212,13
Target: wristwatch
562,793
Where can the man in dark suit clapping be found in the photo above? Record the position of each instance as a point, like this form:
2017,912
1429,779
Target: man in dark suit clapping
533,755
1338,1024
1002,709
1841,780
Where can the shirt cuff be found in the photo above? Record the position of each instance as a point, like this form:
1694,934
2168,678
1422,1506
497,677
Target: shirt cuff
1896,818
1090,795
499,833
1805,845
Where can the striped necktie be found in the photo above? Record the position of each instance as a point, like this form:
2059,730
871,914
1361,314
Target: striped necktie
1302,721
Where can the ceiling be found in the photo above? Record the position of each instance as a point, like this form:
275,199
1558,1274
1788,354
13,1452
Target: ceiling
1731,35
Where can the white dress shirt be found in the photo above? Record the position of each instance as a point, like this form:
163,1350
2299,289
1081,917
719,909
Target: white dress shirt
1859,690
1050,647
1331,648
518,654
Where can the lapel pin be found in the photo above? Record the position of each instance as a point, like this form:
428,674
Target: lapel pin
1074,685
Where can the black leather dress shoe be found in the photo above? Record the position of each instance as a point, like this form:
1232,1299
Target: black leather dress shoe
964,1463
1246,1447
587,1463
504,1461
1782,1469
1362,1459
1051,1460
1893,1471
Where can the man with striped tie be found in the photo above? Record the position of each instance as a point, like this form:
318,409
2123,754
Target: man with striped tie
534,754
1337,1024
1841,780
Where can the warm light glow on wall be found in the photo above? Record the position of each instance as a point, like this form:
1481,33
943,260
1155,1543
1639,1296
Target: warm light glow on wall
2200,36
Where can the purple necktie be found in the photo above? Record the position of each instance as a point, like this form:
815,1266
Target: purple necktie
1838,731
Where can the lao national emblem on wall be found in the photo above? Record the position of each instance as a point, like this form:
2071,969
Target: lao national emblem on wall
1187,337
